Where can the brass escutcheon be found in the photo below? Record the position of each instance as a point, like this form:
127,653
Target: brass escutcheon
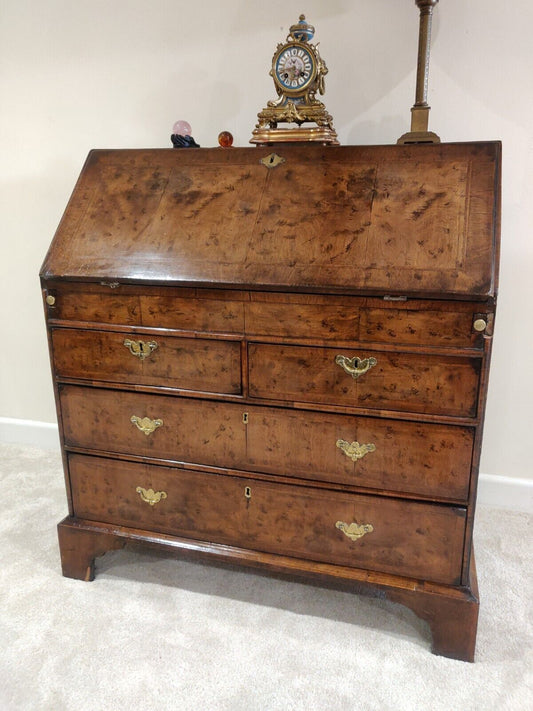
150,496
141,349
354,450
354,531
272,160
355,366
145,424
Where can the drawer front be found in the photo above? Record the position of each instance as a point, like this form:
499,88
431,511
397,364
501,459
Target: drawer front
293,316
413,458
363,320
188,363
154,307
177,429
205,315
404,538
406,382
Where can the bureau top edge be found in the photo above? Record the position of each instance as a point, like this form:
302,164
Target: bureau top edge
115,284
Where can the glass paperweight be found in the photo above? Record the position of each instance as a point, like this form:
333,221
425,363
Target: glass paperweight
225,139
182,128
181,135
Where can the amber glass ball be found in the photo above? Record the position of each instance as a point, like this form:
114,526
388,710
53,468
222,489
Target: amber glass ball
225,139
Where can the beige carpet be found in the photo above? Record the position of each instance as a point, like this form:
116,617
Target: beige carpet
157,633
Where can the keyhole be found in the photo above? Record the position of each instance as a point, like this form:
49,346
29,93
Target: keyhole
271,159
247,492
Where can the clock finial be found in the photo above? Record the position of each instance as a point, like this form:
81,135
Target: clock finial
302,30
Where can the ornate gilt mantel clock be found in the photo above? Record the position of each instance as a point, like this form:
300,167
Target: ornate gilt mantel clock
298,72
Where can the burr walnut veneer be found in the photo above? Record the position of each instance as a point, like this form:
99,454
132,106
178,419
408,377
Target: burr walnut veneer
281,361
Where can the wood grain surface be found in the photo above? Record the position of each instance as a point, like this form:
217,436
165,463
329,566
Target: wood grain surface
307,317
419,219
408,538
399,381
188,363
422,459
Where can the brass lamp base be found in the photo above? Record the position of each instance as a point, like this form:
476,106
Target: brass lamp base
316,134
418,137
419,127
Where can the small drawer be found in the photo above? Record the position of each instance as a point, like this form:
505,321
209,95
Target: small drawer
421,324
170,310
187,363
407,382
365,320
298,319
154,307
405,538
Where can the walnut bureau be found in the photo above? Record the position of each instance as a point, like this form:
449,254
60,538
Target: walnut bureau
278,357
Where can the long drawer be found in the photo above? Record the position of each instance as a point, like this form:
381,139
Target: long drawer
197,364
377,533
415,458
407,382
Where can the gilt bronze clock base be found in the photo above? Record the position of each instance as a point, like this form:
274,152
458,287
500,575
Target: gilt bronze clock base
317,134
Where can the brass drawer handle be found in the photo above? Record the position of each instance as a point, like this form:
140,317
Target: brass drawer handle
355,366
141,349
150,496
354,531
354,450
145,424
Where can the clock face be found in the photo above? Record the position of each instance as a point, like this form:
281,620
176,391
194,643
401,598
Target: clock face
294,68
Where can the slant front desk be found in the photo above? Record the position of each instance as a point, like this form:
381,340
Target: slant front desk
278,357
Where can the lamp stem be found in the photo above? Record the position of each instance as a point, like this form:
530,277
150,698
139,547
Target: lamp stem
420,111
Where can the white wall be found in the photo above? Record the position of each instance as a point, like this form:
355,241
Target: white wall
118,73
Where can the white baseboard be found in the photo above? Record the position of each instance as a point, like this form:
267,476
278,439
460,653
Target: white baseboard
503,492
506,492
43,435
